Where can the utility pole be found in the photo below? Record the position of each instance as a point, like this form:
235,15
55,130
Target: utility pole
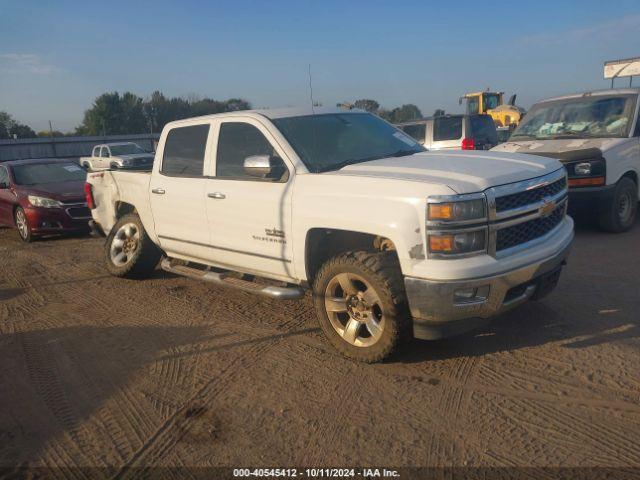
53,142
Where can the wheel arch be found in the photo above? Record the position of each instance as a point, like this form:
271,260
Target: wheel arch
322,244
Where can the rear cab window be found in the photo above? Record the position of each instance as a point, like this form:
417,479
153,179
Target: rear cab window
447,128
184,150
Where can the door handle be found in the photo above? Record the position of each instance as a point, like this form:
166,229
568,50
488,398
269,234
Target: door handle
158,191
217,195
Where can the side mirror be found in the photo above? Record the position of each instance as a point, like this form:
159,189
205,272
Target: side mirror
264,166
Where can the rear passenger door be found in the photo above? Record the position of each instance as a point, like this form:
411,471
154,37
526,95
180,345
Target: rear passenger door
177,192
249,217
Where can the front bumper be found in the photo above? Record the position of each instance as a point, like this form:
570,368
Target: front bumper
438,314
45,221
591,198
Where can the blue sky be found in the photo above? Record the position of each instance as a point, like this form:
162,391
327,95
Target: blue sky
56,57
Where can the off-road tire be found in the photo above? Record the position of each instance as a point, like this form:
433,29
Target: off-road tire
144,258
611,220
382,271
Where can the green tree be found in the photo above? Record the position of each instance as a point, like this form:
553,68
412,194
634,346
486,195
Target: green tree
112,114
10,128
47,133
367,104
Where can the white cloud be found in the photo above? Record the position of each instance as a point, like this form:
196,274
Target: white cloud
603,32
25,63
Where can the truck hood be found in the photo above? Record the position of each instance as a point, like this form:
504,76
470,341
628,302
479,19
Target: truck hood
462,171
558,146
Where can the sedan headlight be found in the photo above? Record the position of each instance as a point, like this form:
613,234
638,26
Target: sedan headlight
43,202
456,211
457,243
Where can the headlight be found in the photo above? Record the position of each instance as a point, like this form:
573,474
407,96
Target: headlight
43,202
456,211
586,173
457,243
583,168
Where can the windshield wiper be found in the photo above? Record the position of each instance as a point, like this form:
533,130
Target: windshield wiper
353,161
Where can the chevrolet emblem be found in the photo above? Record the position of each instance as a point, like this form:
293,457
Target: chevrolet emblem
547,208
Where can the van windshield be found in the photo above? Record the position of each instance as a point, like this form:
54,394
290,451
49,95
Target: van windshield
584,117
332,141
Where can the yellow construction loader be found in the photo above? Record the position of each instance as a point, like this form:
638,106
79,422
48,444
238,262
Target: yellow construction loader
492,103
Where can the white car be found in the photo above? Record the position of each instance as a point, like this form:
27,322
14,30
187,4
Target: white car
391,239
597,137
127,155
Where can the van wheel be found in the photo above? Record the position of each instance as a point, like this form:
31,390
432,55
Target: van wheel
129,250
22,223
620,215
361,305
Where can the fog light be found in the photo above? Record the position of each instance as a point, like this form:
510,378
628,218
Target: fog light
471,294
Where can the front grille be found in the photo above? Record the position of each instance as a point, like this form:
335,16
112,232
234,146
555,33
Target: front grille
527,231
79,212
520,199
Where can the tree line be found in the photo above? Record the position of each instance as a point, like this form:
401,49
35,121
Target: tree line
113,113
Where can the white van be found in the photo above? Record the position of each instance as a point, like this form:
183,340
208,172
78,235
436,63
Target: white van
596,135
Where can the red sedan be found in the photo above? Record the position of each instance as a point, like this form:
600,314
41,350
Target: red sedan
43,197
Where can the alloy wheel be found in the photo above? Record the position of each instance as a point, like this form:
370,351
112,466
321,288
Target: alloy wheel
124,244
354,309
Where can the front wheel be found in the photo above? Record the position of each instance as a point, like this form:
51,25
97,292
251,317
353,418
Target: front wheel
129,251
24,229
360,304
621,214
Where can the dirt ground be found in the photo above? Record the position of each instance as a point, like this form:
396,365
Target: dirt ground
99,371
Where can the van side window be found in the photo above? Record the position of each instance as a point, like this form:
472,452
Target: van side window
636,133
417,131
184,151
236,142
447,128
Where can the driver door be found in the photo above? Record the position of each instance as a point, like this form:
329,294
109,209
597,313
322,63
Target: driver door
249,217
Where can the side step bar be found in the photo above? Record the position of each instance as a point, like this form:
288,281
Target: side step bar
271,291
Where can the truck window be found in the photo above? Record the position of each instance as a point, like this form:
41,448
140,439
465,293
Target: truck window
184,151
417,131
4,176
104,152
447,128
483,128
95,152
236,142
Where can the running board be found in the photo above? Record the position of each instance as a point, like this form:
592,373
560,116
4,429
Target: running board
225,279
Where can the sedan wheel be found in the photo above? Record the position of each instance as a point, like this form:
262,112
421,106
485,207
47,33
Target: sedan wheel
23,225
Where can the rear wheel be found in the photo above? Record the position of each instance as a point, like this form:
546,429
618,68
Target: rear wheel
22,223
129,250
621,214
360,304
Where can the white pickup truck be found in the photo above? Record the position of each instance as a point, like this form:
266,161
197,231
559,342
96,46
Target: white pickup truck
391,239
596,135
126,155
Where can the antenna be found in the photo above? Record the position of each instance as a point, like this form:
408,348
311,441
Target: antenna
311,91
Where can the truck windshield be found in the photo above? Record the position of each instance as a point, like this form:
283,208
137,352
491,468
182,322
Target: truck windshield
583,117
126,149
332,141
47,173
